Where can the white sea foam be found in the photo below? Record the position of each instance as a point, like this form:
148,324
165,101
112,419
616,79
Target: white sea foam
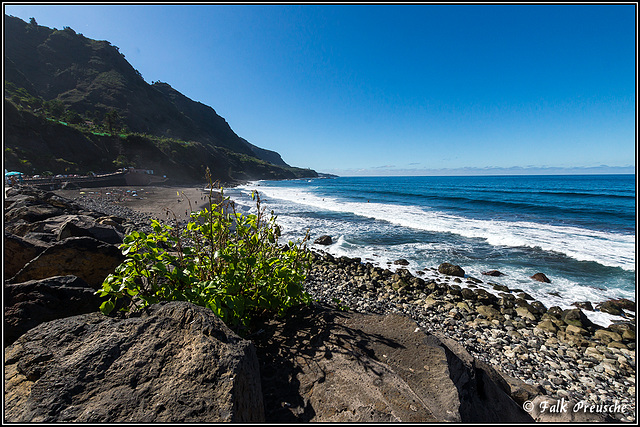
604,248
609,249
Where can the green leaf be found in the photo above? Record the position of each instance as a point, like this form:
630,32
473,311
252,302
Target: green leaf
107,306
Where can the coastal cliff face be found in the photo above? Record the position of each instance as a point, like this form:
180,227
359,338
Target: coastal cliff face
79,101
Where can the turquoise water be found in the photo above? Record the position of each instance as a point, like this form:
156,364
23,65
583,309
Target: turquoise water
578,230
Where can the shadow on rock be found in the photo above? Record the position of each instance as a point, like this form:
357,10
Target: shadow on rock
323,365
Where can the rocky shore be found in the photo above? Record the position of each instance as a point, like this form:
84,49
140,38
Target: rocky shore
559,350
533,353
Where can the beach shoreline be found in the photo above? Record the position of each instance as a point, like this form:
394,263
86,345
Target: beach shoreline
522,344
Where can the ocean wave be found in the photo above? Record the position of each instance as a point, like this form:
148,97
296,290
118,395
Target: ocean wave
605,248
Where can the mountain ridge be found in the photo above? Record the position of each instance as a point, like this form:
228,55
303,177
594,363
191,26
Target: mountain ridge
62,77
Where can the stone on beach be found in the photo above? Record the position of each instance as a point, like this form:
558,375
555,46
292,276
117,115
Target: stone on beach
357,367
541,277
18,251
451,269
493,273
615,306
324,240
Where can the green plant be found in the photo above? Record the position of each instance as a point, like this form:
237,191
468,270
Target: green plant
224,260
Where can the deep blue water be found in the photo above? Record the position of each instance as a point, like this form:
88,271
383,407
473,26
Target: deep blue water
578,230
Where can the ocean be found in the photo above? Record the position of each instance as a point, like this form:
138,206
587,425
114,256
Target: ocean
580,231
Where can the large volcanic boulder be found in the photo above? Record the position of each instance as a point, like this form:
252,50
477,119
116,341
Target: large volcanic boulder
26,305
323,365
84,257
18,251
175,362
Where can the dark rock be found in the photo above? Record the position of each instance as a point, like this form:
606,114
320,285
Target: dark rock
615,306
494,273
174,362
84,257
610,307
63,226
481,385
485,297
576,317
502,288
417,282
625,329
606,336
455,290
26,305
113,220
505,303
401,261
519,391
489,312
526,312
403,273
584,305
45,238
525,296
625,304
18,251
538,307
450,269
540,277
81,226
555,311
13,196
27,195
32,213
324,240
468,294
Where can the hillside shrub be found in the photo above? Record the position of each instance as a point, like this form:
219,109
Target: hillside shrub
224,260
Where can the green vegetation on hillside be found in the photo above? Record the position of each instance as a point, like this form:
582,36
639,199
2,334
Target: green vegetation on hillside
57,111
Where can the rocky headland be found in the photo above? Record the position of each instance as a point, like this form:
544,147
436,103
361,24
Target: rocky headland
375,345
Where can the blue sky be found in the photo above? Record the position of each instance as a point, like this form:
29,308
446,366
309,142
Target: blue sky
394,89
